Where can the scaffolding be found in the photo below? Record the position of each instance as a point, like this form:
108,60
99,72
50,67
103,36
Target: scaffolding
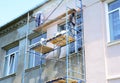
73,72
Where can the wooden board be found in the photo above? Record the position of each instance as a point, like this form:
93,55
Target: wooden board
42,49
61,40
64,81
69,81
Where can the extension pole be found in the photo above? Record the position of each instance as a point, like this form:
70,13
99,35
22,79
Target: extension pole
67,42
83,43
26,49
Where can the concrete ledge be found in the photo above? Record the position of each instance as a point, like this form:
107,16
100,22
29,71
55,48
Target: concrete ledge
102,0
113,43
33,68
5,77
113,77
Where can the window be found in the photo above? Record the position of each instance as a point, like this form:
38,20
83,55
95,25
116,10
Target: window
78,41
11,59
37,39
114,20
62,27
35,58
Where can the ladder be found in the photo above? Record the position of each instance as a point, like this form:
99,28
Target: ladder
78,29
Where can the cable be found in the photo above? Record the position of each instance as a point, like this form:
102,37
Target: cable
53,10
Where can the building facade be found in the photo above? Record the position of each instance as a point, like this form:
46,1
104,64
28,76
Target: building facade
94,58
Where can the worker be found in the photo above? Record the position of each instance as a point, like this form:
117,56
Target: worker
72,21
72,18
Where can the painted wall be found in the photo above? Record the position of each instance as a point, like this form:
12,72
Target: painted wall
53,69
94,42
112,58
7,41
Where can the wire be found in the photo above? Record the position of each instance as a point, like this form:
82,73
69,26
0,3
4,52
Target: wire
54,10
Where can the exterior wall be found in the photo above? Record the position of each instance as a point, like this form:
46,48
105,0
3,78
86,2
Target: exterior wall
52,70
8,79
105,54
94,42
2,61
112,58
8,39
102,58
56,69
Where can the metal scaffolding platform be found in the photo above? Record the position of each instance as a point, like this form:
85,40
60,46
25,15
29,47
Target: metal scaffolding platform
62,80
64,40
60,40
42,49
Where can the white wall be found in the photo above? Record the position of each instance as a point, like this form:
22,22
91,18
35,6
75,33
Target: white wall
94,43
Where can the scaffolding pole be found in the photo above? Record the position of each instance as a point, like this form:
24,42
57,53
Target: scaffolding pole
67,43
26,48
83,43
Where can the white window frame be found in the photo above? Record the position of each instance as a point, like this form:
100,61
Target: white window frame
32,62
59,26
118,9
7,70
107,19
32,59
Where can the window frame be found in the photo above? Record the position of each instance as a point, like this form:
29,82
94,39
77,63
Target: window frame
108,29
31,62
72,43
59,26
32,44
7,68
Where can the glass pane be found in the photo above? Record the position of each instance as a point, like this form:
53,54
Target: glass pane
43,60
37,60
72,47
79,37
34,58
6,65
16,61
31,58
11,63
114,22
37,39
79,19
14,49
114,5
61,27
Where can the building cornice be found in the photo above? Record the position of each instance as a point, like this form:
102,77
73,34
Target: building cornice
15,26
16,23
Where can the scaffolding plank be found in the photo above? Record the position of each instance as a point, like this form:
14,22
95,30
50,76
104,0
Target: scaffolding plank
63,81
60,40
42,49
69,81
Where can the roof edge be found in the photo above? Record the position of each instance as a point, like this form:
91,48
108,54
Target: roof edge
22,16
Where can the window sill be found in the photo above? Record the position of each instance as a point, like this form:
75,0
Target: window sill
8,76
33,68
113,77
113,43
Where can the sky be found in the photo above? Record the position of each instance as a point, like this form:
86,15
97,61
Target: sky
11,9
